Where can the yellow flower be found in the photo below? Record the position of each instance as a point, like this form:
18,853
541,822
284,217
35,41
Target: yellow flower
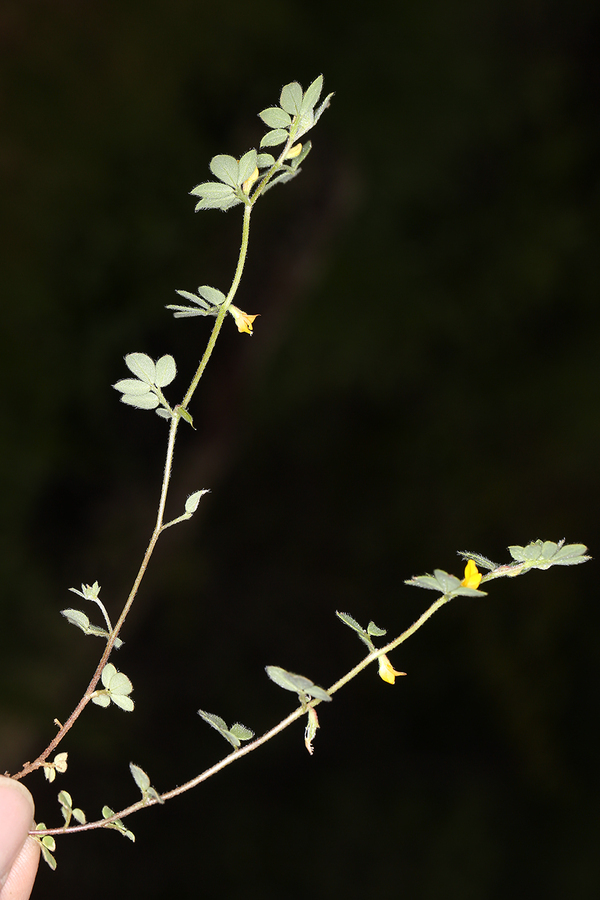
294,151
250,181
472,576
387,671
242,319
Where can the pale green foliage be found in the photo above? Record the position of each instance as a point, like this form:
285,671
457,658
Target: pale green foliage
143,782
207,300
445,583
117,687
66,805
300,685
365,636
287,122
58,764
80,619
234,735
144,391
544,554
47,843
295,114
107,812
191,504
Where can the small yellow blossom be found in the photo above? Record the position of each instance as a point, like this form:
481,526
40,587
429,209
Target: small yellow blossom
242,319
387,671
294,151
250,181
472,576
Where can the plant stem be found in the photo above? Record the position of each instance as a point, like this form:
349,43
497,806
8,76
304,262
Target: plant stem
281,726
158,527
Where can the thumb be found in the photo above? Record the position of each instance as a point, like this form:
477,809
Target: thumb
16,819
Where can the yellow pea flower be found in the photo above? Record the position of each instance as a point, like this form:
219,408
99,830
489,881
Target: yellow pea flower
242,319
294,151
250,181
472,576
387,671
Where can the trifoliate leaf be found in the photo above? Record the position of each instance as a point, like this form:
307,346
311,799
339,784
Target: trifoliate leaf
234,736
296,683
544,554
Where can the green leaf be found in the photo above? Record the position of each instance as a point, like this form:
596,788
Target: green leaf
375,631
165,371
118,687
132,386
234,736
247,165
144,401
311,95
482,562
240,732
101,700
143,782
76,617
191,504
296,683
213,720
211,294
264,160
181,312
124,703
350,622
80,620
47,843
223,205
212,190
186,416
544,554
107,812
142,366
275,117
324,105
445,583
291,98
226,169
272,138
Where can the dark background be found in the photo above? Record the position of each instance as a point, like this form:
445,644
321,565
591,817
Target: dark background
424,378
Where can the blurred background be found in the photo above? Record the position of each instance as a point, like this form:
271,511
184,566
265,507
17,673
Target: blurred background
423,378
